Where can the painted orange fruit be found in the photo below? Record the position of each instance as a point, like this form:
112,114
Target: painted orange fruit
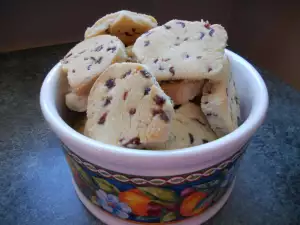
189,206
137,201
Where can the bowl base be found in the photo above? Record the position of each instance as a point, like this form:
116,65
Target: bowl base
111,220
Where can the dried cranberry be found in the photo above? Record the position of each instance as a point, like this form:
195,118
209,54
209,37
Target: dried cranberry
147,90
172,70
159,100
102,118
132,111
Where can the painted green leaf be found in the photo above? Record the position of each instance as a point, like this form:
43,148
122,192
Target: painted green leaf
202,202
86,178
106,186
161,194
168,217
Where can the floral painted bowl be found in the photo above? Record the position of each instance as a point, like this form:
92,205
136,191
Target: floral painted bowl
182,186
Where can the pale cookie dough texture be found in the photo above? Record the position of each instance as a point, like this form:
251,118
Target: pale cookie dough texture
182,91
131,56
220,103
126,25
182,50
127,107
85,62
189,128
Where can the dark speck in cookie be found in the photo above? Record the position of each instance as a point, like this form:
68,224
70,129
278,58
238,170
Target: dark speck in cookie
191,138
102,119
186,39
159,100
211,32
110,83
167,27
147,90
209,69
172,70
146,43
162,114
132,111
181,23
199,57
99,48
145,73
89,67
125,95
112,49
155,60
161,68
204,141
73,71
126,74
201,35
107,101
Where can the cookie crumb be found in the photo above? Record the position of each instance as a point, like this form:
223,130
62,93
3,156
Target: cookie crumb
162,114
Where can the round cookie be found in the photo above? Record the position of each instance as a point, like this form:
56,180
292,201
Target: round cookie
124,24
87,60
189,128
76,102
127,107
182,50
182,91
220,102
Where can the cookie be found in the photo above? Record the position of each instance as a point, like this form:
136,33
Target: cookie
131,56
124,24
182,91
220,103
76,102
182,50
87,60
127,107
189,128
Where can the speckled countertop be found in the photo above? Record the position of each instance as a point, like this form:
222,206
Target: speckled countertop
35,182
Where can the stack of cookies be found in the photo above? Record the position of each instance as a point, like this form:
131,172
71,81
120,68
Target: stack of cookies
152,87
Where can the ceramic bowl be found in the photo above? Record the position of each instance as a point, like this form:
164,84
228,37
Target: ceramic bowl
182,186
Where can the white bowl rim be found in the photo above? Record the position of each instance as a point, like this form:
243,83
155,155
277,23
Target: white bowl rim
247,129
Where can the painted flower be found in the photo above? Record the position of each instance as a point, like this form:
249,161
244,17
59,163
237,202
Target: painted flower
111,204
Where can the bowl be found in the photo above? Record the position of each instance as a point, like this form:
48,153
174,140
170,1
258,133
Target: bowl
129,186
